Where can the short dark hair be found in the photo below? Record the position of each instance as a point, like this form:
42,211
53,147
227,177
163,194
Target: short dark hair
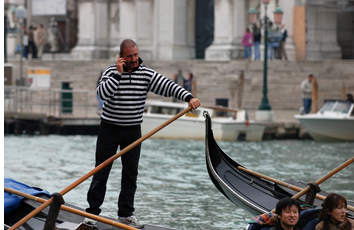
286,202
127,43
311,75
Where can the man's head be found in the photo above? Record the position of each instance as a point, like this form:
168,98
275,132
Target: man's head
350,97
288,210
310,77
130,52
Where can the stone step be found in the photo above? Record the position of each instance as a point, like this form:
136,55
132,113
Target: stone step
284,78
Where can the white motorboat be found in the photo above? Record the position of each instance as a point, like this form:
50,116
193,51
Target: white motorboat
333,122
192,125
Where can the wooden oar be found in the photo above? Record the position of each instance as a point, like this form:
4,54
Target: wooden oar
99,167
290,186
72,210
324,178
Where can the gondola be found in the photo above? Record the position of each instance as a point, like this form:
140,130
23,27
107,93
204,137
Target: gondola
17,207
251,193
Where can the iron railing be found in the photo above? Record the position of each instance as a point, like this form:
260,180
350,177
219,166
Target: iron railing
50,102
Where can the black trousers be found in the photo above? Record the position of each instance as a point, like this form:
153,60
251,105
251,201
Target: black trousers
33,49
109,138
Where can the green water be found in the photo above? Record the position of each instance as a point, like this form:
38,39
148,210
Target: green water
174,189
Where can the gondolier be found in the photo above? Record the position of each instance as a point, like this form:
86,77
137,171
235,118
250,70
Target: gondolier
123,87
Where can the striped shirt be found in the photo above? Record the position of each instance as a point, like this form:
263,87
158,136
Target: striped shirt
124,96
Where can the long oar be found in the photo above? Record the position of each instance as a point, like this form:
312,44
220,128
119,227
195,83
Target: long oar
72,210
99,167
290,186
324,178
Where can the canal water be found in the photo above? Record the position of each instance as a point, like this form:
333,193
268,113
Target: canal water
174,189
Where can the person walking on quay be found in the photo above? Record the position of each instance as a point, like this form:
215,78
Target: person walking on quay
41,40
282,52
257,36
25,43
306,89
123,88
31,42
188,82
277,36
247,42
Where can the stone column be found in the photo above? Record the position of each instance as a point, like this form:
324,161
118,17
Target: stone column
230,24
145,28
114,29
174,29
93,30
288,20
124,26
321,36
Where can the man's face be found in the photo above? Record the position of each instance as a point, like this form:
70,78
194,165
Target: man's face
131,55
289,217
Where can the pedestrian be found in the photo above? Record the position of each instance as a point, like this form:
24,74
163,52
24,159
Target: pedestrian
31,42
41,40
288,211
257,36
188,82
282,52
270,41
333,215
247,42
25,43
123,87
276,43
306,89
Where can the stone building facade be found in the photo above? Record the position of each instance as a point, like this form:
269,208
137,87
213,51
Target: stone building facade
166,29
206,29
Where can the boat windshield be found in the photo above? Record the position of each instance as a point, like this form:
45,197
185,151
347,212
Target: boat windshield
342,107
336,106
328,105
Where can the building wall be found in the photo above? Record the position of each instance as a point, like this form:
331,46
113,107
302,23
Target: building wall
165,29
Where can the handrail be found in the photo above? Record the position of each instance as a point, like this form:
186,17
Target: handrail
50,101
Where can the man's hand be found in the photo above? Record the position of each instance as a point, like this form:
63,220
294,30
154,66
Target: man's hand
194,103
120,63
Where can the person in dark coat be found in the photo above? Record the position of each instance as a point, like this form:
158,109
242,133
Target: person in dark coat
288,211
257,41
31,43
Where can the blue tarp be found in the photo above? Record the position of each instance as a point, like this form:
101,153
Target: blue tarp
12,201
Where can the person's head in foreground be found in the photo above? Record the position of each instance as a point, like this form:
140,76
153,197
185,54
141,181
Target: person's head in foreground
288,210
333,214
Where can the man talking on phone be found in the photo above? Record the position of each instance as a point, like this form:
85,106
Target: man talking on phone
123,87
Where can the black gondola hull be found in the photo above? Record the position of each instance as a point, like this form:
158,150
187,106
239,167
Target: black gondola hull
253,194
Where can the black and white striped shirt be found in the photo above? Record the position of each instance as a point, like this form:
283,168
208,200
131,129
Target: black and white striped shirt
124,96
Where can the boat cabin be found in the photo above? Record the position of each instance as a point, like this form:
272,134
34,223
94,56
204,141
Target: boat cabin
338,107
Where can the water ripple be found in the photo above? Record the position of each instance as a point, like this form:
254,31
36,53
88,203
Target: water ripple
174,189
